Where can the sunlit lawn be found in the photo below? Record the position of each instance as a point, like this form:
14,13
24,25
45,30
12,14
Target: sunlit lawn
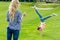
30,23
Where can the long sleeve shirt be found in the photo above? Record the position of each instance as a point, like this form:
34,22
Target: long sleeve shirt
16,23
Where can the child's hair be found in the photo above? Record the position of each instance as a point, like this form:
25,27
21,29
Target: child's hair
12,8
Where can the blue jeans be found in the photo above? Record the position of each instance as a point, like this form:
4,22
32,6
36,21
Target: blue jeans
40,16
15,34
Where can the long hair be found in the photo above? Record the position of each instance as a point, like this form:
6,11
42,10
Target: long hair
12,9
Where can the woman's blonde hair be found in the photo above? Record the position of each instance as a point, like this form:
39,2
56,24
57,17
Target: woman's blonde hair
12,9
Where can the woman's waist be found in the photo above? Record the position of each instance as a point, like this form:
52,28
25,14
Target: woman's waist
14,24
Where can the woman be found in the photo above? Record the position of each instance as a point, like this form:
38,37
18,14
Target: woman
42,25
14,17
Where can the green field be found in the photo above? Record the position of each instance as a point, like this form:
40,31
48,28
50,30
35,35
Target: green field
31,21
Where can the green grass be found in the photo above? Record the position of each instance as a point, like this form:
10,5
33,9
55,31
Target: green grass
31,22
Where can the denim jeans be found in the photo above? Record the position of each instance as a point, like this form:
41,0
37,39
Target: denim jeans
11,32
41,17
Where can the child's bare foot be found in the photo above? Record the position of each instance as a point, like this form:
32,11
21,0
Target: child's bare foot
35,7
54,14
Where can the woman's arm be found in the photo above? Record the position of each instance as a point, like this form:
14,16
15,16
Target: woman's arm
20,17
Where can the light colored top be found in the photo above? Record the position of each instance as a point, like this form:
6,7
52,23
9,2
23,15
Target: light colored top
42,25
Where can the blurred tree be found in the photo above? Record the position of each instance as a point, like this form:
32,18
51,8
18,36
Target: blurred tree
21,0
29,0
37,0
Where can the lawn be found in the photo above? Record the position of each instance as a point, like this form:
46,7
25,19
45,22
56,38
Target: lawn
31,21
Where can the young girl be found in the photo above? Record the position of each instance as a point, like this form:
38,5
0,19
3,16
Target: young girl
42,19
14,17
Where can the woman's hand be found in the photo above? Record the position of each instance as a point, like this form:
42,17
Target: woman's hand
24,14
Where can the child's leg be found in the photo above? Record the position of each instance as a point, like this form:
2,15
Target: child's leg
40,16
46,17
49,16
38,13
9,34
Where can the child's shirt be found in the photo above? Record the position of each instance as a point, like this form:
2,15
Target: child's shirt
42,25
